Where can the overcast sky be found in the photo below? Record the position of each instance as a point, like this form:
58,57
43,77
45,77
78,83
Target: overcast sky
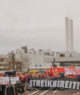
38,24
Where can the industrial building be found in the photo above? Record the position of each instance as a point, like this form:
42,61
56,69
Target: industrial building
30,59
36,59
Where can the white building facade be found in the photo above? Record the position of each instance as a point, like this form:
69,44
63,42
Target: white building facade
36,59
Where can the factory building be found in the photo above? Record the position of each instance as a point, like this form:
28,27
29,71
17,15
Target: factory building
70,57
36,59
30,59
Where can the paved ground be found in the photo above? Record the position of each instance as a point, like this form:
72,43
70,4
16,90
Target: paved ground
50,92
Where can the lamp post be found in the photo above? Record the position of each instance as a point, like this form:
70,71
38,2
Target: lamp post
13,61
53,63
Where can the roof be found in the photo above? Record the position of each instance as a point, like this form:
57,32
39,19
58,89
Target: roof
67,59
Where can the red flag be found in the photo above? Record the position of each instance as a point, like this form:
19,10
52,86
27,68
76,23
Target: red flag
51,70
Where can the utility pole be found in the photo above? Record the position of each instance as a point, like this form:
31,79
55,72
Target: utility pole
53,63
12,60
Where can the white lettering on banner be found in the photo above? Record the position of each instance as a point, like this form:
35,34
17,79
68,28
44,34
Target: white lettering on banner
78,85
55,83
7,80
42,83
30,83
34,82
70,84
13,80
4,80
58,85
38,83
49,83
74,85
66,84
45,83
62,84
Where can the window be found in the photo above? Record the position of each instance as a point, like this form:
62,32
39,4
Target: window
62,55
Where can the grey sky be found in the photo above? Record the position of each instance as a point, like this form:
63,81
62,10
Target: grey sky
38,24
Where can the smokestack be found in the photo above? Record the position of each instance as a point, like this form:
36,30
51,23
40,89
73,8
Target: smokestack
67,33
71,35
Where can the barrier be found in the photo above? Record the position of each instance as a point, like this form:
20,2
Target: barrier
11,90
9,85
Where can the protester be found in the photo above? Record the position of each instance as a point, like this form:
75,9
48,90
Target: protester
1,75
62,75
42,75
23,78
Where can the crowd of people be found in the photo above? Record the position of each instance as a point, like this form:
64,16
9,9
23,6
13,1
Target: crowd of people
24,76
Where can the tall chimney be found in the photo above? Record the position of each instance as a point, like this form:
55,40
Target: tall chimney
71,35
67,33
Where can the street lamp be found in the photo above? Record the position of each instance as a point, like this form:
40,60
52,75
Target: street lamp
53,63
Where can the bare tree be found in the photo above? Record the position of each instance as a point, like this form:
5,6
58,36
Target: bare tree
24,59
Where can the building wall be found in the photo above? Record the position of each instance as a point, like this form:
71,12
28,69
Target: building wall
38,59
41,59
4,63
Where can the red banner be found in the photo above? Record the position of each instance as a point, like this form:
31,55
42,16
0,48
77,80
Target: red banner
59,70
67,70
